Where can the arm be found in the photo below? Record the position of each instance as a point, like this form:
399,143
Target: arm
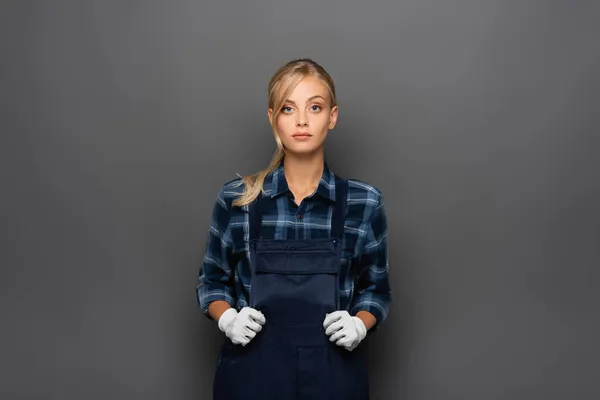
217,308
367,318
214,290
373,293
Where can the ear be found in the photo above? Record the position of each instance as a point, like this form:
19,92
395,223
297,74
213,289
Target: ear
333,116
270,114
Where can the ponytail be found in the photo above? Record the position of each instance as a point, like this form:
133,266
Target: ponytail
254,183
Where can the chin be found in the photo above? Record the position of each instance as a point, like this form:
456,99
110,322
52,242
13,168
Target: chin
303,150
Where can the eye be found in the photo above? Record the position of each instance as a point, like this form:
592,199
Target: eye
286,109
315,107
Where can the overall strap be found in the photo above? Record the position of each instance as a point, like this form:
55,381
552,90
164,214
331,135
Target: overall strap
255,218
339,210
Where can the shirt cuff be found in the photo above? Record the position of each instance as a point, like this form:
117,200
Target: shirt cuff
207,298
374,308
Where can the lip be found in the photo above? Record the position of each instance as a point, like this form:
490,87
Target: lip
301,134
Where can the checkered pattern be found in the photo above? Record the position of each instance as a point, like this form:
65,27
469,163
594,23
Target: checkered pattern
363,277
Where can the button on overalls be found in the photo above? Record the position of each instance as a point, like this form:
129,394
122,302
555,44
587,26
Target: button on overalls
294,284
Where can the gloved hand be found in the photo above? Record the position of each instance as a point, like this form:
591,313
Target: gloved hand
345,330
241,327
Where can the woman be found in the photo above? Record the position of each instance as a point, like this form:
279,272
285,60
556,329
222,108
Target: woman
296,270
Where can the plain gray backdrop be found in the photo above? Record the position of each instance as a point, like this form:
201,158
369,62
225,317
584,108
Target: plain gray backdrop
479,121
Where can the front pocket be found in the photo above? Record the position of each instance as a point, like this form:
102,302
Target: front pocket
235,376
277,246
294,264
350,379
277,377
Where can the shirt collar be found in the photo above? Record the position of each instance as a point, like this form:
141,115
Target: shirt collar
325,189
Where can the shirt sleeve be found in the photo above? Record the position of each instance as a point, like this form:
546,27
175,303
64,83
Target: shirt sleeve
372,288
215,276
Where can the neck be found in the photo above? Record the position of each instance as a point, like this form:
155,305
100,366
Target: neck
304,172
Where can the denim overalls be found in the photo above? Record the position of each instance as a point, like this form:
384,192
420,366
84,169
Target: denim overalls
294,284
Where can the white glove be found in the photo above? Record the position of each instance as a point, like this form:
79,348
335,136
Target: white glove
241,327
345,330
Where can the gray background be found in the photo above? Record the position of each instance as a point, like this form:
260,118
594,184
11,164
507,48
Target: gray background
478,120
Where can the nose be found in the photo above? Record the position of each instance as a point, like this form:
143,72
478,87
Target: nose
301,121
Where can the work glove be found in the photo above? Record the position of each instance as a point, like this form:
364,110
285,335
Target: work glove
241,327
345,330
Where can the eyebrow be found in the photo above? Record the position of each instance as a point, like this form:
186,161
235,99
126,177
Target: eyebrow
309,99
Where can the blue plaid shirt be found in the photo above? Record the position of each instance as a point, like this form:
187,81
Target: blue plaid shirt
363,277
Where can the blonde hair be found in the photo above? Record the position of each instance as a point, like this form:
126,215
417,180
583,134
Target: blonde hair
281,85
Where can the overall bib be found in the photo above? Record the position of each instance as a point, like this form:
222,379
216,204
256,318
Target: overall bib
294,284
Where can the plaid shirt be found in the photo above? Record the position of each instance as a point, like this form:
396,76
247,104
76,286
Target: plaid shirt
363,276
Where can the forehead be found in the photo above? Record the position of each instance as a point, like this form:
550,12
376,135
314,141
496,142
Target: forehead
308,87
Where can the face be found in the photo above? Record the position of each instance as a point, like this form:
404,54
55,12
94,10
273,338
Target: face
306,117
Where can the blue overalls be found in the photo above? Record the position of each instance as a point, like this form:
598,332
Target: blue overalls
294,284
